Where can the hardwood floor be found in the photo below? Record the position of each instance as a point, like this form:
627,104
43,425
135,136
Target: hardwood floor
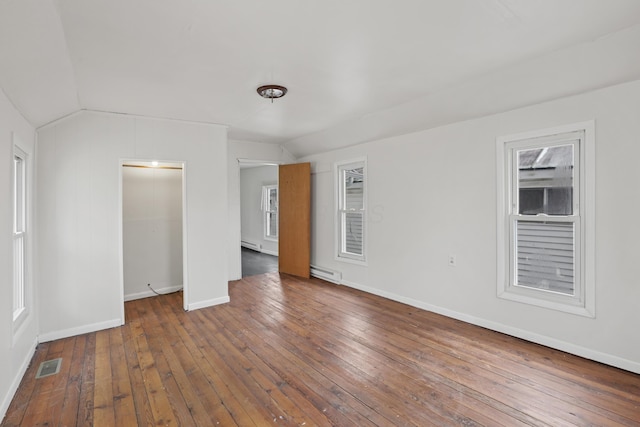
305,352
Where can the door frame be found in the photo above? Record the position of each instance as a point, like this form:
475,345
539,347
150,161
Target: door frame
237,246
185,277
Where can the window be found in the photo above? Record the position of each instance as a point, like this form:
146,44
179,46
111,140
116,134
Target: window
544,245
270,203
351,210
19,233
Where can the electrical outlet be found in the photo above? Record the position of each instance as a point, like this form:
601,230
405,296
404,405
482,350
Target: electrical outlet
452,260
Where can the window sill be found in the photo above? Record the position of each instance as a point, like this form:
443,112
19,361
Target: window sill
535,299
352,261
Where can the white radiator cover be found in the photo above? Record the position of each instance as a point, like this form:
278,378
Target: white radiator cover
326,274
250,245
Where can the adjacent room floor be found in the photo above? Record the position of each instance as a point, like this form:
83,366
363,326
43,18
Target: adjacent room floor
254,263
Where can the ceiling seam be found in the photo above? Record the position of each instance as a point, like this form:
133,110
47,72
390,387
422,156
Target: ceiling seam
56,7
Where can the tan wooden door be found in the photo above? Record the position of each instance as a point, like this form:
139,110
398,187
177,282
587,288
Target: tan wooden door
294,212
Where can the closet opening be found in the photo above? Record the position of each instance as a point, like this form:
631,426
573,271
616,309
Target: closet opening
153,224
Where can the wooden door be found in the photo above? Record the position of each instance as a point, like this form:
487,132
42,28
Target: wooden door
294,212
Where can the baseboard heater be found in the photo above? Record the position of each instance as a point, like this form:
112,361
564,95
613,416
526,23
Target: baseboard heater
326,274
250,245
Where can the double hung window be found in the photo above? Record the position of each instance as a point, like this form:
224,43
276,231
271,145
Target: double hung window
270,202
19,233
351,210
544,210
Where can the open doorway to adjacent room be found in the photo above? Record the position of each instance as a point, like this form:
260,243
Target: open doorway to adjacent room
152,228
259,217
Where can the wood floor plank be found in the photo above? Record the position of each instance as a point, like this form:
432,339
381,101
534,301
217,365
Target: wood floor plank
233,395
204,393
103,411
85,401
321,391
177,386
266,393
404,381
288,351
428,403
69,410
515,372
27,389
215,373
52,388
346,339
270,377
61,382
158,400
352,384
123,403
156,341
144,415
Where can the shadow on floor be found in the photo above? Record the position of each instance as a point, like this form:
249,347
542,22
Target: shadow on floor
257,263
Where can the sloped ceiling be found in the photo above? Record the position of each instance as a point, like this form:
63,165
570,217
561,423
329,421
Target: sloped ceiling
356,69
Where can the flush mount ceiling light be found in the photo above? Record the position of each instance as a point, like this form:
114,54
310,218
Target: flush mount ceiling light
272,91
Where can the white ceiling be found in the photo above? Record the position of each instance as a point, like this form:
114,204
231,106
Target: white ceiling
356,69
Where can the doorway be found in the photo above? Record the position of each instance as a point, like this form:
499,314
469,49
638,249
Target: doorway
258,217
152,228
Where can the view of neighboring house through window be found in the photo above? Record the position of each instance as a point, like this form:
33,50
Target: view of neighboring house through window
544,224
270,202
19,232
544,238
351,210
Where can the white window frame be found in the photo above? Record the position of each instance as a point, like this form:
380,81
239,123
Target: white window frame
340,238
583,301
20,228
267,208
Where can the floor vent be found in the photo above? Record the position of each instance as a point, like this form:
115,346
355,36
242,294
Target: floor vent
49,367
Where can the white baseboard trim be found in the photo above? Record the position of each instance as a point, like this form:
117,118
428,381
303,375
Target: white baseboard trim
149,293
56,335
13,388
208,303
268,252
608,359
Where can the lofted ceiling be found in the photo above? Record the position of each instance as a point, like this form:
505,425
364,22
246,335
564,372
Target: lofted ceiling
356,70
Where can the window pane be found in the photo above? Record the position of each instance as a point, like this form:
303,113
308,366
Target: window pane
559,201
545,181
353,233
18,201
545,255
272,224
531,201
18,278
273,199
354,189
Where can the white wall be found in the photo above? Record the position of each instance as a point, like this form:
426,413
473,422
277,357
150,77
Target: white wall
247,151
79,205
152,230
252,216
16,344
433,193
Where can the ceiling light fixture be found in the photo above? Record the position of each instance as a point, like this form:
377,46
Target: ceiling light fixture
272,91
